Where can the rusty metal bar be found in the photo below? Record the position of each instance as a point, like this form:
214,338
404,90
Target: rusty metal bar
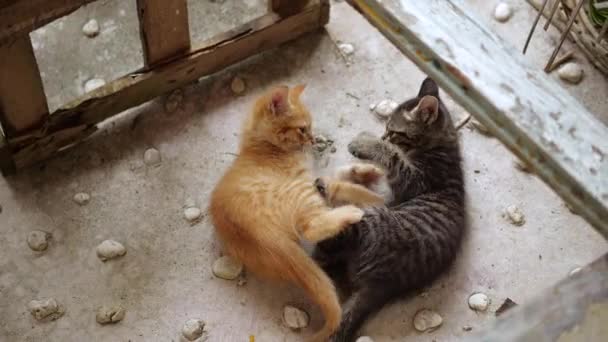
526,110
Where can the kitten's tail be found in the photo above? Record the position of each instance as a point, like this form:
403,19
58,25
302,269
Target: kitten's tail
358,308
319,287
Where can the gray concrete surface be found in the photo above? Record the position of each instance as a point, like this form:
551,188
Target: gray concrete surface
166,278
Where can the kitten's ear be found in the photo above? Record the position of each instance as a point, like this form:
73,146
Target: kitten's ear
297,91
427,109
429,88
279,102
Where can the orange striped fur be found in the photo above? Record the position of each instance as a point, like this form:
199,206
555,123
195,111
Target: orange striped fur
266,202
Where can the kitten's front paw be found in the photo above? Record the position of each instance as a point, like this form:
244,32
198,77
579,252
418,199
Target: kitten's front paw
364,146
366,174
352,214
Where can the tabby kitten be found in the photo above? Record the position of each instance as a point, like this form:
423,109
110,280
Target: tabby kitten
406,244
266,202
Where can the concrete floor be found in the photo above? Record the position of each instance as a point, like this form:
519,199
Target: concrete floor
166,278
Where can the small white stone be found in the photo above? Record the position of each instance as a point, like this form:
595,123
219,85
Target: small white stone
479,302
372,106
295,318
38,240
152,157
237,85
109,314
347,49
93,84
227,268
364,339
575,271
427,320
45,309
174,100
91,28
385,108
571,73
502,12
82,198
193,329
514,215
192,214
110,249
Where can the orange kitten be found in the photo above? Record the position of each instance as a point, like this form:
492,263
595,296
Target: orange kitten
266,202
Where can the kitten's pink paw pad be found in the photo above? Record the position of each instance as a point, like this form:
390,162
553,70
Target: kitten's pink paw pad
366,173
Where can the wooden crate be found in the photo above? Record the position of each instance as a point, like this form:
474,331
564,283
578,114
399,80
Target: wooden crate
31,134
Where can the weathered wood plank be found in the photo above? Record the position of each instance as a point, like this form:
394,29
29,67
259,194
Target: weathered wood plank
23,16
164,30
576,309
528,111
22,99
259,35
286,7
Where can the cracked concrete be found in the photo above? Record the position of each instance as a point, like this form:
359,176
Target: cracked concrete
165,278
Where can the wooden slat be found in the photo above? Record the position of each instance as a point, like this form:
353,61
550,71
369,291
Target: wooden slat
534,116
22,100
163,27
18,17
286,7
576,309
259,35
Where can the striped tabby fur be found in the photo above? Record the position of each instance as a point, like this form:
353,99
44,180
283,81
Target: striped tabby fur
408,243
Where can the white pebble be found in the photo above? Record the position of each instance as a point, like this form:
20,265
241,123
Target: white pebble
93,84
575,271
192,214
193,329
227,268
364,339
45,309
502,12
479,302
514,215
295,318
347,49
152,157
385,108
237,85
91,28
110,249
174,100
372,107
109,314
571,72
427,320
82,198
38,240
